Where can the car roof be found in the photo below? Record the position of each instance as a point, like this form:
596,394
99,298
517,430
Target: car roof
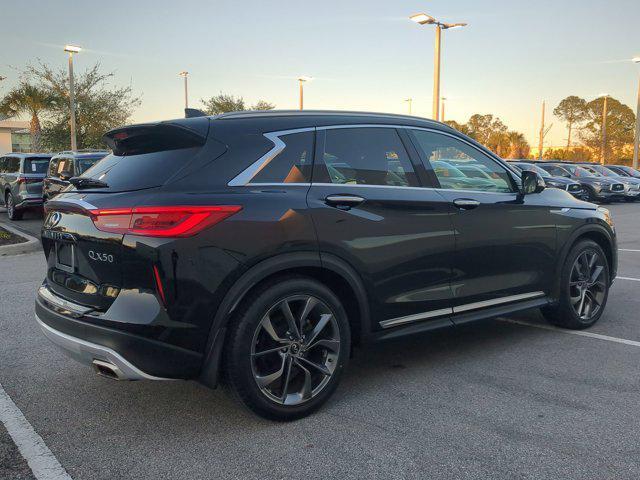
28,155
92,154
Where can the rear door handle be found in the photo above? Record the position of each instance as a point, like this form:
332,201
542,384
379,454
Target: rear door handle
343,201
466,203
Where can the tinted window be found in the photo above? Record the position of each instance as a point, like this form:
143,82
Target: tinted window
365,156
36,165
291,165
13,165
3,165
533,168
84,164
555,170
451,160
132,172
64,165
53,165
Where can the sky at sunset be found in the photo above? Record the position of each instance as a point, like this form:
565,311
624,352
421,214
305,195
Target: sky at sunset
363,55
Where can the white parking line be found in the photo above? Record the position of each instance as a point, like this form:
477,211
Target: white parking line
580,333
627,250
628,278
40,459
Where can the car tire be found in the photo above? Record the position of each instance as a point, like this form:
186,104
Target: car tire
584,288
268,364
12,212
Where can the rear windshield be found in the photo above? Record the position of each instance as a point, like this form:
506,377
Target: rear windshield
36,165
135,172
84,164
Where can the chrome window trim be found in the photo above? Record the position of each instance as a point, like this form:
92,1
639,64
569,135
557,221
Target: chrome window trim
393,322
244,177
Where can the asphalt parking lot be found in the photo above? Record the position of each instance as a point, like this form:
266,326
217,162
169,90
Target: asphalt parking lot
492,400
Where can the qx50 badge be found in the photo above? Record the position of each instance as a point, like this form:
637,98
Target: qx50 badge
100,257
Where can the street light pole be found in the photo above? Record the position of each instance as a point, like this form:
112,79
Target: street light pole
184,75
603,146
424,19
442,109
409,101
301,81
541,139
636,140
71,49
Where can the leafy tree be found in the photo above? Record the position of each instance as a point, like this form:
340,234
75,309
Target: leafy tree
223,103
461,127
99,106
30,100
263,105
574,154
493,134
620,126
573,111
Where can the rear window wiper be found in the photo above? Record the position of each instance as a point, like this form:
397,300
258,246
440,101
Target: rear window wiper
87,182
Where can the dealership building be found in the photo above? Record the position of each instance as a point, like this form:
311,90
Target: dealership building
14,136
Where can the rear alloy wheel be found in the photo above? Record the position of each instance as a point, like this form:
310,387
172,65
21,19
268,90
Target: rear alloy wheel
288,348
12,212
585,287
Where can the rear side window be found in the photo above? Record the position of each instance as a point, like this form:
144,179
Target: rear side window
36,165
84,164
13,165
291,165
365,156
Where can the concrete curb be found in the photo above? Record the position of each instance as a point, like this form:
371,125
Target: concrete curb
31,245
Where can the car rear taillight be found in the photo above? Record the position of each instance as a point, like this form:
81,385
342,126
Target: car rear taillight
169,221
159,287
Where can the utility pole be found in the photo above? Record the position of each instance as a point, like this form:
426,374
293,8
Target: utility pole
185,75
542,132
603,147
409,101
636,140
436,74
442,109
71,49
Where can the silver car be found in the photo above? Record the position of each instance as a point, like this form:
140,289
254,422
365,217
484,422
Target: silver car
21,176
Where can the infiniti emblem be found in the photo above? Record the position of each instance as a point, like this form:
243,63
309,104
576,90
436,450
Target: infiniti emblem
55,219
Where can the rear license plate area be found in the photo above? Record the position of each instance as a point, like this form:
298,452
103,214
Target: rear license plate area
65,256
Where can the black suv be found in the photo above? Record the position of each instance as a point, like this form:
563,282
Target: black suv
598,188
66,165
563,183
266,245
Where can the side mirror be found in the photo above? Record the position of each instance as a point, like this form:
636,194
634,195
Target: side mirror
65,175
532,182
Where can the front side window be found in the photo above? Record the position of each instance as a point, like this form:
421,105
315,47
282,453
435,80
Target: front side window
291,165
365,156
456,164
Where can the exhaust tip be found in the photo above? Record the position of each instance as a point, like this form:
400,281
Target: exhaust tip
106,369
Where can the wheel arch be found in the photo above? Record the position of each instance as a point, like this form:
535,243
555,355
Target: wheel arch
333,272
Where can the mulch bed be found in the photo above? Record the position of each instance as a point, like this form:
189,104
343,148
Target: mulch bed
8,238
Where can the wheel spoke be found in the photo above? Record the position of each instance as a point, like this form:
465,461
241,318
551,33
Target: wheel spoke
285,387
265,352
581,306
268,327
333,345
288,315
306,386
321,368
308,306
265,380
596,274
324,320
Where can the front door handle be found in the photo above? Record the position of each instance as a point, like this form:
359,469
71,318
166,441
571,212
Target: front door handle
466,203
343,201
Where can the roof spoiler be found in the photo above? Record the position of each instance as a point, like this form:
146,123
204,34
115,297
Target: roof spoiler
156,137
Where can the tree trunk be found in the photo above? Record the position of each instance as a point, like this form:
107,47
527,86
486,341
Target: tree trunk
35,131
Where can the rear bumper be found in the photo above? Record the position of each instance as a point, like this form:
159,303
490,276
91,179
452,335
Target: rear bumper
75,331
29,202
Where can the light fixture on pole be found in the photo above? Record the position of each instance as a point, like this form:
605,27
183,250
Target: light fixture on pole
636,138
603,146
409,101
185,75
424,19
301,81
71,49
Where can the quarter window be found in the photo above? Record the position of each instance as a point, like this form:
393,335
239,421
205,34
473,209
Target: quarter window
291,165
365,156
459,166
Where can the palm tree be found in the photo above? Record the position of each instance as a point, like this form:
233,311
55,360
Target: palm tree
518,145
30,100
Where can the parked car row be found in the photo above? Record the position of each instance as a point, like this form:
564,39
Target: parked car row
588,181
28,180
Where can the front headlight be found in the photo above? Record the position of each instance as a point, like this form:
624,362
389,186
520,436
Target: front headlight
607,216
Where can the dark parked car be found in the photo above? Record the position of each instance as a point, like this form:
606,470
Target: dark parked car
599,189
65,166
21,176
624,170
266,245
563,183
632,185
